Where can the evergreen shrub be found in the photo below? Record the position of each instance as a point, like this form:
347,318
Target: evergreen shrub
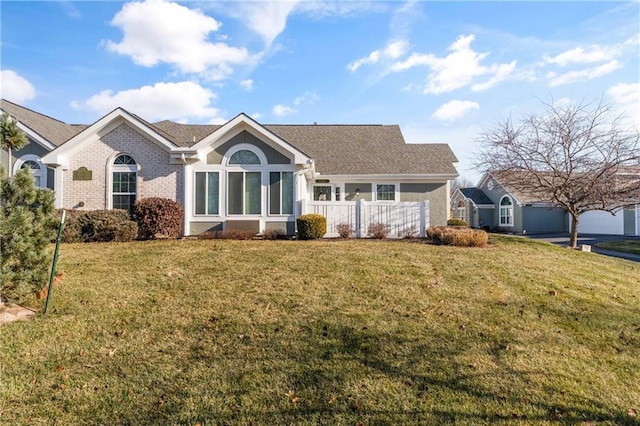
311,226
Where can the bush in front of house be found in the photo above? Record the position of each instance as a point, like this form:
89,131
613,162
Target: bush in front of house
460,237
311,226
378,231
345,230
99,226
229,234
456,222
158,218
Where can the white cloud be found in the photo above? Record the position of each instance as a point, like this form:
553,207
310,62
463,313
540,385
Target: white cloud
162,101
578,55
160,31
458,69
454,110
556,79
309,98
247,85
392,51
282,110
15,88
626,97
266,18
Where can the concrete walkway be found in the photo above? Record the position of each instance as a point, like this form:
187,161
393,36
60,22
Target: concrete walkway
592,240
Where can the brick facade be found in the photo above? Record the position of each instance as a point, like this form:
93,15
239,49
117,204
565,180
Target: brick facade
156,176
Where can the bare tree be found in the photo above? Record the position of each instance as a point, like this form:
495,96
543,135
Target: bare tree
574,156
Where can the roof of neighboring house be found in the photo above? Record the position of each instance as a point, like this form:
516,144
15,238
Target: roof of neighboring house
505,178
336,149
476,195
55,131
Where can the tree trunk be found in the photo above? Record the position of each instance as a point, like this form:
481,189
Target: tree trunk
573,240
9,174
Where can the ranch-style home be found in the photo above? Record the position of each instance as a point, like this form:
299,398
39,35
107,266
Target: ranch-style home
494,205
241,174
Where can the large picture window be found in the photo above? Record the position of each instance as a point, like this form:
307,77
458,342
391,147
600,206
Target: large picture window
207,193
506,211
123,190
280,193
244,192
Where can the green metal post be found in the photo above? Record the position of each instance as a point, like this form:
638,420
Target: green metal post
55,260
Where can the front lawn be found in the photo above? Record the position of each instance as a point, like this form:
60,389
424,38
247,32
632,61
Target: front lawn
627,246
328,332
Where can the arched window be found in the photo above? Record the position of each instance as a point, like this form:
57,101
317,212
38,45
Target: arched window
38,170
244,156
506,211
123,187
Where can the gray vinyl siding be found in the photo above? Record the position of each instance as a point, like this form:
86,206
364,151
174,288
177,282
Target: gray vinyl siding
287,228
435,193
273,156
485,218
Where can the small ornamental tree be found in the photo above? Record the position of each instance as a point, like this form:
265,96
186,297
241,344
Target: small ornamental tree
11,137
28,223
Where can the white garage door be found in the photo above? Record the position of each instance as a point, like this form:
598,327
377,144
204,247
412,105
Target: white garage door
598,222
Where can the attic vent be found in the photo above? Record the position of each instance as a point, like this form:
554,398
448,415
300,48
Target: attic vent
194,139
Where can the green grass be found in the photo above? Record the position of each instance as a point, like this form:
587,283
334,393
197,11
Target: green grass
627,246
328,332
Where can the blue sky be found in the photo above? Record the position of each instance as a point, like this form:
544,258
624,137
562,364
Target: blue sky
443,71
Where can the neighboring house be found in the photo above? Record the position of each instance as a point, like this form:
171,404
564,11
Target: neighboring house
492,205
239,175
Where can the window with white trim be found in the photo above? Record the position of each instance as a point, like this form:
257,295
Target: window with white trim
207,193
322,192
280,193
123,184
36,171
33,163
385,192
244,186
506,211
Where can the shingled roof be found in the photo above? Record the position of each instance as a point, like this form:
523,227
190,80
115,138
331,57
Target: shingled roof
55,131
341,149
476,195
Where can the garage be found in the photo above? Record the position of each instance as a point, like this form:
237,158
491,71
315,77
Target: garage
624,222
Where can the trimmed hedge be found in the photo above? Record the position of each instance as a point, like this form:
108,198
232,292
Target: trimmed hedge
311,226
456,236
158,218
98,226
456,222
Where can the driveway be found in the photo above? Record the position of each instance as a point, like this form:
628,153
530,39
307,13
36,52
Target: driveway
592,240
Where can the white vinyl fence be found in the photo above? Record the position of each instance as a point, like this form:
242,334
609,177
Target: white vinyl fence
402,218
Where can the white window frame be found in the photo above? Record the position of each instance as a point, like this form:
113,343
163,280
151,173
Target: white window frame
42,173
396,192
261,168
509,209
331,194
113,168
206,193
293,193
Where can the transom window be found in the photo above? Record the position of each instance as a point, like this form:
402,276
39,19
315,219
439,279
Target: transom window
123,189
385,192
244,156
506,211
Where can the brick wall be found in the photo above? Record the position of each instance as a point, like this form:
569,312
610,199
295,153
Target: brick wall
156,177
